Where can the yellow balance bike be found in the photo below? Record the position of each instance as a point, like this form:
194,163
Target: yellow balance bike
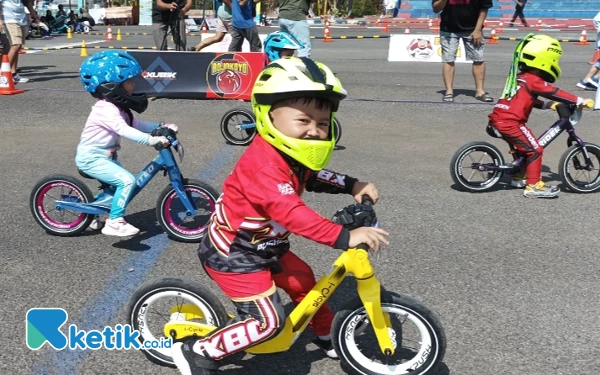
377,332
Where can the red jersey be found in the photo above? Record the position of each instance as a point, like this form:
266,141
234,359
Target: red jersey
529,86
260,206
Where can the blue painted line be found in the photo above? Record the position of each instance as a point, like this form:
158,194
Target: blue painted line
102,308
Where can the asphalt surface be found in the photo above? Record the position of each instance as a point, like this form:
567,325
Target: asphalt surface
513,281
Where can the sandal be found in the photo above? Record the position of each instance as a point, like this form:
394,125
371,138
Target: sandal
448,98
485,98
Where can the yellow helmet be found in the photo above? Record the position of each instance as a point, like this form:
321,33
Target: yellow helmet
296,77
542,52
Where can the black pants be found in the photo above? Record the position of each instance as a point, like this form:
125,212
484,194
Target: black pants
250,34
161,30
519,13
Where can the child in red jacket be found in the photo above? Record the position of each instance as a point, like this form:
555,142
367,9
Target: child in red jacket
246,250
537,57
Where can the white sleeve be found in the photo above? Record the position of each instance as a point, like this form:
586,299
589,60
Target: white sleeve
113,120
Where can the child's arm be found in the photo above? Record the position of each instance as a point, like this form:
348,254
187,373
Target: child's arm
546,90
325,181
145,126
115,122
272,191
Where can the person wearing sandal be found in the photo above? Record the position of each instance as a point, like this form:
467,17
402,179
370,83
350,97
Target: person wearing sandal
463,19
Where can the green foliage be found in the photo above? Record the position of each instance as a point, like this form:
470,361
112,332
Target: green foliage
362,8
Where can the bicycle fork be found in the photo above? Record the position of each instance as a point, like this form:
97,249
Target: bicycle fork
369,291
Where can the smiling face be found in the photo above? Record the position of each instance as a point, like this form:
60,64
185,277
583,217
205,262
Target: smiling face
302,118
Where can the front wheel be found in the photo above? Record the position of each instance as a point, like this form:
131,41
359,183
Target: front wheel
418,337
475,167
238,126
56,220
576,174
175,299
171,213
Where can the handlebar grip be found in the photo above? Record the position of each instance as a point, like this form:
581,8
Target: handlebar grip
590,105
367,200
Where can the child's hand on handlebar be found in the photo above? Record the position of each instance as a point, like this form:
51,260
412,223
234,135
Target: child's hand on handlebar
368,235
153,141
587,103
365,188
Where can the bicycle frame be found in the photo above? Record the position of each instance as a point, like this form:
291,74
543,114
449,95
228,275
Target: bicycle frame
103,202
354,261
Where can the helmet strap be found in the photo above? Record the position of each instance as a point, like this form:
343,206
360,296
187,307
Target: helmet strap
510,88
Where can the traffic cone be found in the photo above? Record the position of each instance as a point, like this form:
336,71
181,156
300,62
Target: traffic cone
436,28
109,33
204,27
385,28
69,34
119,34
492,39
7,82
595,58
582,39
430,24
407,30
539,24
500,25
377,23
83,49
327,38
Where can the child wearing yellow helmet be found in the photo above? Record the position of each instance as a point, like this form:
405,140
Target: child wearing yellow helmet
246,250
535,66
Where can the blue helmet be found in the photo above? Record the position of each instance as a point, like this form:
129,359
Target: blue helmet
103,73
277,41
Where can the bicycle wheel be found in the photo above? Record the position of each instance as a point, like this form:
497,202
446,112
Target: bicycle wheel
418,337
474,167
238,126
55,220
160,301
338,130
171,216
575,174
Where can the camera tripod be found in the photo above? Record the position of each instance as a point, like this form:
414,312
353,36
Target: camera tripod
174,28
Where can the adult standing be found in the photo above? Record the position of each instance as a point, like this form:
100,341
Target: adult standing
14,21
463,19
292,20
519,6
244,26
223,25
170,15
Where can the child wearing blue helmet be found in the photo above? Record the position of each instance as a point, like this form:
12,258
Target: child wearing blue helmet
108,76
280,44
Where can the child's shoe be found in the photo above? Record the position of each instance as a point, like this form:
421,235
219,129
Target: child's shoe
119,227
97,223
189,362
327,347
519,180
541,190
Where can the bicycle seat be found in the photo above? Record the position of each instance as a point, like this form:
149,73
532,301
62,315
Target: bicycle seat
493,132
84,175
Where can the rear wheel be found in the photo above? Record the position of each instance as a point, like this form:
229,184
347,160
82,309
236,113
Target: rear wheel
475,167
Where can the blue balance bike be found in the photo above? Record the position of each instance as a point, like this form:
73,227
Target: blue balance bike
64,206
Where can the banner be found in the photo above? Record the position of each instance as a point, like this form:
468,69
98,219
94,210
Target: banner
223,45
420,47
145,13
197,75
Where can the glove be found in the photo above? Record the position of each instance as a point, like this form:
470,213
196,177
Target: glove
155,141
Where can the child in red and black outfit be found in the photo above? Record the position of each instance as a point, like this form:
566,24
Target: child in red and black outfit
246,250
537,57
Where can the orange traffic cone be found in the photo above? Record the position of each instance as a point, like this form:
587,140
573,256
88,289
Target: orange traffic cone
377,23
430,24
327,33
407,30
539,24
582,39
492,39
385,28
500,25
436,27
595,58
109,33
204,27
7,82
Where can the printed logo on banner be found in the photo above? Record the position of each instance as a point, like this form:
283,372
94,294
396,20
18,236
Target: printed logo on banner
159,74
228,75
420,48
